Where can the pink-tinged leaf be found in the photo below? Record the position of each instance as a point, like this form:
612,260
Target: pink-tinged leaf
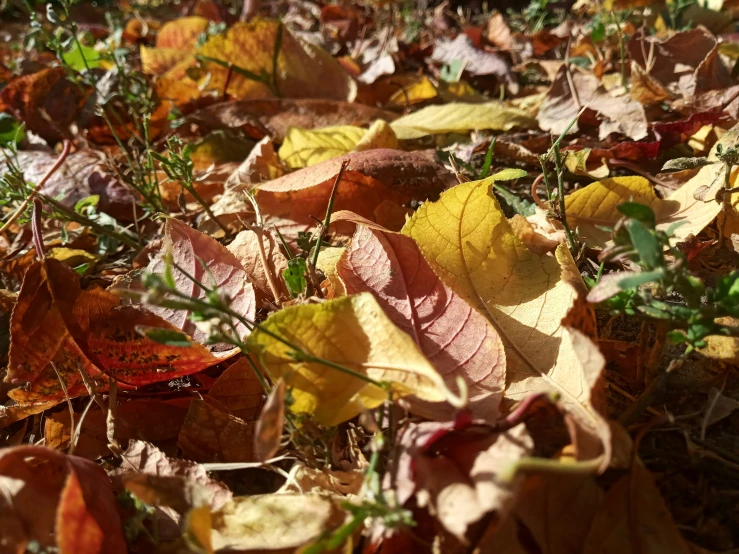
455,338
211,264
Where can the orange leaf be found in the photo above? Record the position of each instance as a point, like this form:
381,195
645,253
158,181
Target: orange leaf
45,482
239,390
57,325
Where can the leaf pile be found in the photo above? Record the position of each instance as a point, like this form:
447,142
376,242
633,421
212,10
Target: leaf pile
365,277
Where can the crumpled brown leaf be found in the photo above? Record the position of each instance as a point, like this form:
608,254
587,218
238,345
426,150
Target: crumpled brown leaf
620,114
476,61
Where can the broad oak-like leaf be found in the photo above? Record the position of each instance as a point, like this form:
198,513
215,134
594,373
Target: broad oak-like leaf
455,337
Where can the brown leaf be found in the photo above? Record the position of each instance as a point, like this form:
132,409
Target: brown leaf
268,430
455,338
633,518
212,265
685,64
246,249
57,500
454,470
55,322
82,174
239,390
372,177
477,62
47,102
272,117
620,114
211,434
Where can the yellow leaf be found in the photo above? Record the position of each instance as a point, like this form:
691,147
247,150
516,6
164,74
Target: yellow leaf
460,118
467,240
596,205
274,522
306,147
198,529
328,257
418,90
355,333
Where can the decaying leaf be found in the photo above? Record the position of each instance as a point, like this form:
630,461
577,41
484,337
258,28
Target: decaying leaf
274,522
268,430
239,390
246,248
351,332
454,337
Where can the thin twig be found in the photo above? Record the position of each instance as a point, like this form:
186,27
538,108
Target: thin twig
329,211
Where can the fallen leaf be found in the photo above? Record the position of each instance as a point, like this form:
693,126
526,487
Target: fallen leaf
353,332
239,390
211,264
273,117
211,434
718,407
57,501
633,518
268,430
245,247
69,328
175,42
469,244
475,61
303,147
595,205
84,173
460,118
274,522
46,102
684,64
453,336
618,114
372,178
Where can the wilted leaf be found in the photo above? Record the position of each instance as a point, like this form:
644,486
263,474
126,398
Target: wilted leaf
460,118
55,322
82,175
303,70
211,264
595,205
468,242
274,522
57,501
268,430
239,390
352,332
211,434
476,61
454,337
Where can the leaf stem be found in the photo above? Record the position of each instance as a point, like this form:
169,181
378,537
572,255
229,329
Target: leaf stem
329,211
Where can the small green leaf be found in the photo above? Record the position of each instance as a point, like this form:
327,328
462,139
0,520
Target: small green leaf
91,202
485,171
170,337
11,131
81,57
645,242
633,281
640,212
517,204
294,276
598,32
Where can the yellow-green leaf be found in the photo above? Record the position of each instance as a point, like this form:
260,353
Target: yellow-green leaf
352,332
460,118
306,147
596,205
